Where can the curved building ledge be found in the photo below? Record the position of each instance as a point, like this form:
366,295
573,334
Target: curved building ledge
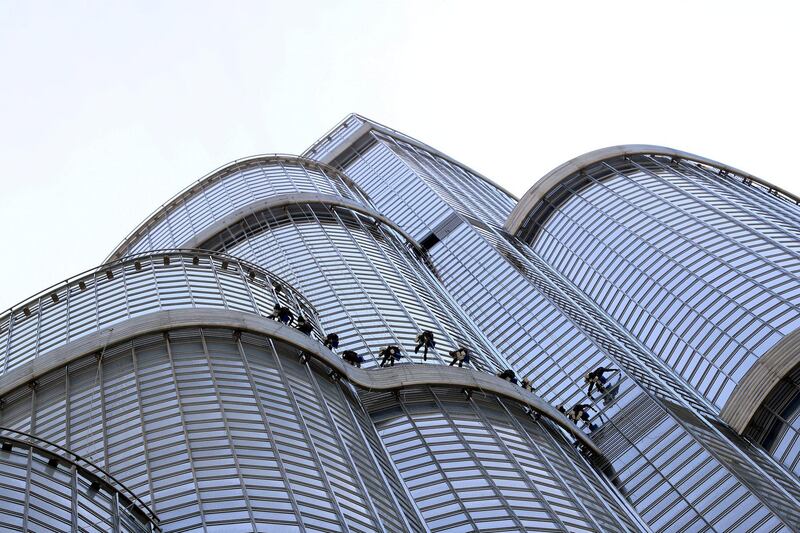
396,377
281,200
550,180
759,380
368,125
112,293
215,175
88,470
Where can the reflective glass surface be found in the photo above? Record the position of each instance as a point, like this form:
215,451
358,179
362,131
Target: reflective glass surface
43,491
479,464
362,280
776,424
700,268
136,286
224,191
219,432
551,332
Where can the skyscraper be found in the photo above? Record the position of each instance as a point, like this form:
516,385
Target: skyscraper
187,385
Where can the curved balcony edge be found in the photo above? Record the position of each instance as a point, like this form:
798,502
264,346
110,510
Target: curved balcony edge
107,295
759,381
161,212
281,200
152,253
392,378
87,468
550,180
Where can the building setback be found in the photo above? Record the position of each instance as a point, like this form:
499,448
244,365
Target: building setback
186,385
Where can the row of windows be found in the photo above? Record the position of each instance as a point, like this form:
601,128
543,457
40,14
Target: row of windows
681,268
479,465
418,190
397,192
365,285
39,492
239,186
557,355
750,465
219,434
134,287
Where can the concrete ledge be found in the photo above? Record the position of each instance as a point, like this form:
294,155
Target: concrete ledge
759,381
391,378
571,167
281,200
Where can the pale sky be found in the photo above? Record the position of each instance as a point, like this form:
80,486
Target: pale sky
107,109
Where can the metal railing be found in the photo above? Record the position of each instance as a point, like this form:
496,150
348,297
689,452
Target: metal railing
94,474
137,285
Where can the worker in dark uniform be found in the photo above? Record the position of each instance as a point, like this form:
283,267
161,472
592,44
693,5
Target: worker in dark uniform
597,380
331,341
276,311
425,341
580,411
389,355
460,357
283,314
508,375
352,357
527,385
304,325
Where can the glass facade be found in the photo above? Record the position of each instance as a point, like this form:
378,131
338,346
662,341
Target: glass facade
681,257
45,488
220,432
367,287
533,304
141,284
173,393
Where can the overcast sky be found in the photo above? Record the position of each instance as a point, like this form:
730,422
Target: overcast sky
107,109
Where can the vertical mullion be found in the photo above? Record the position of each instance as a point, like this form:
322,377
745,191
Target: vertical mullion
335,430
456,431
380,472
301,422
225,424
183,429
136,376
271,437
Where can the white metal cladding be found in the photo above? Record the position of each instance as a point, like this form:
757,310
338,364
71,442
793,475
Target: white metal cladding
363,281
231,187
141,284
46,488
219,432
687,261
761,381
